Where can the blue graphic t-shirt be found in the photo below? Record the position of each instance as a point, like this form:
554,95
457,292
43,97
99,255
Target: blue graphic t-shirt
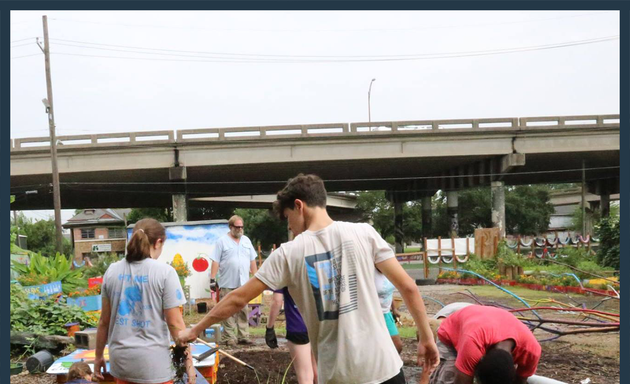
139,293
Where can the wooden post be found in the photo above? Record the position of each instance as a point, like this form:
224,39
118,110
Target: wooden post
533,250
259,255
468,247
425,260
454,256
518,245
439,251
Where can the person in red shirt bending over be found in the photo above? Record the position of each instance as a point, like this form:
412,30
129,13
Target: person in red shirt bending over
485,343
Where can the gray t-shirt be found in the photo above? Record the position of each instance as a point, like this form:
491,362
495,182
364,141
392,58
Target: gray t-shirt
138,335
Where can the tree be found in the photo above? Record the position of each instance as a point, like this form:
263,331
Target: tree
261,226
375,207
41,236
163,215
527,210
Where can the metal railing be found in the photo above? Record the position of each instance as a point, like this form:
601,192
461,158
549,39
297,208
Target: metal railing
333,130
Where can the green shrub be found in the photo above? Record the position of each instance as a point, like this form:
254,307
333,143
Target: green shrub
43,270
609,235
100,265
44,317
508,257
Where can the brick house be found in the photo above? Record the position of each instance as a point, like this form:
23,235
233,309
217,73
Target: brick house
98,231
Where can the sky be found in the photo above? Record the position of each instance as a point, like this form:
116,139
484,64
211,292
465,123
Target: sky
171,70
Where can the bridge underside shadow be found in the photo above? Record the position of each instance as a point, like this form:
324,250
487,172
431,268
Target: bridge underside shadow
152,187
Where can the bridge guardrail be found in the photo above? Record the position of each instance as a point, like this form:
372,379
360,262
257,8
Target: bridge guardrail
270,132
102,139
316,130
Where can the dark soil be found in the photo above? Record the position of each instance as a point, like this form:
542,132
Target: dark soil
270,368
559,361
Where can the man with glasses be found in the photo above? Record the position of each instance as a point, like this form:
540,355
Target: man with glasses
234,258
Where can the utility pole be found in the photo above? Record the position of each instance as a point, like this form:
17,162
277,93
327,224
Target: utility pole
17,227
48,102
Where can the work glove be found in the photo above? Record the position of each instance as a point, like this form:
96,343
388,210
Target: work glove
214,285
270,338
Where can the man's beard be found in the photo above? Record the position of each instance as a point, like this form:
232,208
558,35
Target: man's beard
237,234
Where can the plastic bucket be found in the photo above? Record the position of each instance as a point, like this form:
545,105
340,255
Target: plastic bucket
39,362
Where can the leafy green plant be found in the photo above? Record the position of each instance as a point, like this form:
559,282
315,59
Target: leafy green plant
44,317
43,270
609,234
508,257
100,265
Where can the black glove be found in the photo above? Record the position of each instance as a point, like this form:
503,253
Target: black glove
214,285
270,338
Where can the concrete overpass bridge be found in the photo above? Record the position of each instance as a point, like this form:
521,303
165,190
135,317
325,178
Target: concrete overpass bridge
411,159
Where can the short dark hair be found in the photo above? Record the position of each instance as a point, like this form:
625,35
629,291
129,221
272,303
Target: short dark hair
308,188
496,367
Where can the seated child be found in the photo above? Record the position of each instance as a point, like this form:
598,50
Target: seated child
80,373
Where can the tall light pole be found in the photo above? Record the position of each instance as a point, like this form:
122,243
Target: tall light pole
369,107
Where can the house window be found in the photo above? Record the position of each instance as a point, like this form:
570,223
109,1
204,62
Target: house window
87,233
116,233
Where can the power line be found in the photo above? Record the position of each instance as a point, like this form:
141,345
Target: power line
390,59
452,26
341,180
27,38
258,57
20,194
21,57
23,45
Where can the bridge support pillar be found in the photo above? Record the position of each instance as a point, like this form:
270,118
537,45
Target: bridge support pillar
180,200
180,208
427,220
498,206
604,204
451,210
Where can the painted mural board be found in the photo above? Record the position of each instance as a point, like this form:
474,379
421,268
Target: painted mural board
62,365
192,239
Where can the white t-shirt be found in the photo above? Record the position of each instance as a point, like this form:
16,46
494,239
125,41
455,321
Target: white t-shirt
330,275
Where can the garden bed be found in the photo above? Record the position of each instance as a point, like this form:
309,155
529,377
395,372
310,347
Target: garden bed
536,287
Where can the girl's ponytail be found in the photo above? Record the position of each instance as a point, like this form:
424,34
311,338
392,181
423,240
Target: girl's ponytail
145,234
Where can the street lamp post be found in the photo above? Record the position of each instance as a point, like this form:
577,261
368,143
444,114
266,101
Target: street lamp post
369,107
